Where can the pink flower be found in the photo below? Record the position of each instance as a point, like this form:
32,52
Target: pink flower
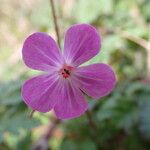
61,87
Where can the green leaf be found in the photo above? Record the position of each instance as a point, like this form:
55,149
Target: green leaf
1,137
18,122
86,10
105,114
68,145
144,120
24,142
87,145
89,10
10,93
41,15
128,120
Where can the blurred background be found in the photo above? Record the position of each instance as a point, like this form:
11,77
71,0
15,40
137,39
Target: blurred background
122,118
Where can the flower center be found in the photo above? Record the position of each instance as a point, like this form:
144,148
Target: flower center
66,71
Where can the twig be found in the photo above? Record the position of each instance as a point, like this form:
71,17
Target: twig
42,143
143,43
55,21
51,129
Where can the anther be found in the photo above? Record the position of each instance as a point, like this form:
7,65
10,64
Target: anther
67,71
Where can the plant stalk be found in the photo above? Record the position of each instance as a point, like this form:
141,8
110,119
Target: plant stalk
55,21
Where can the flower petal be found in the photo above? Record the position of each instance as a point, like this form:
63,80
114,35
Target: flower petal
39,92
96,80
82,42
40,52
72,103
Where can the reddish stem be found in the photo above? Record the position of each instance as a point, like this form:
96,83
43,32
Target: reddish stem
55,21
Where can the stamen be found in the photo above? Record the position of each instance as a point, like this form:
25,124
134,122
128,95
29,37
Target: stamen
66,71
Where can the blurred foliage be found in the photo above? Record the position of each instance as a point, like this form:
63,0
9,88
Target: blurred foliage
13,113
122,118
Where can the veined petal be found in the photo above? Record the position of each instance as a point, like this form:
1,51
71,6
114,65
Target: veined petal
39,92
72,103
40,52
82,42
95,80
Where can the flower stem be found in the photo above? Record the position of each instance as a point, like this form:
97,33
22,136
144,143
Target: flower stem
55,21
51,129
42,143
31,113
92,124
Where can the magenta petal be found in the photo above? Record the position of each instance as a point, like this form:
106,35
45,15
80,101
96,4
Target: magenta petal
39,92
40,52
96,80
72,103
82,42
